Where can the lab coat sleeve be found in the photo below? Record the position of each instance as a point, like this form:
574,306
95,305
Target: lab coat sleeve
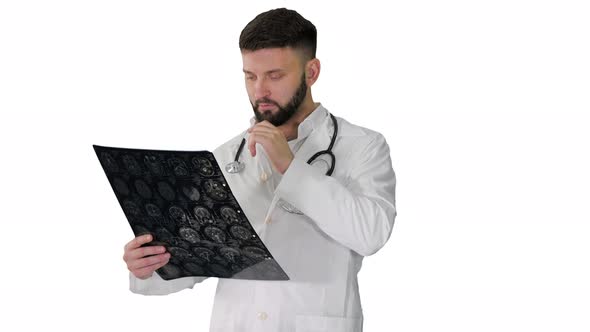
359,215
155,285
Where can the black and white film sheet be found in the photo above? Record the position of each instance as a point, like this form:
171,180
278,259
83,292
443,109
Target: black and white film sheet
184,201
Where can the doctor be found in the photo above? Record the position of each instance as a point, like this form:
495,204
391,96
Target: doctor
317,224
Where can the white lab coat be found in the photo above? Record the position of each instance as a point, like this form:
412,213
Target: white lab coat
346,216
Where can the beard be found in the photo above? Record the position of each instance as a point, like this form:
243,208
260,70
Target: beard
284,113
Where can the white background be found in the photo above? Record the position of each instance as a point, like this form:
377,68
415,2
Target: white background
484,104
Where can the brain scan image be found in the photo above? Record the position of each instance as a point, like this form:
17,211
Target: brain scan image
152,210
240,233
109,163
202,214
183,199
230,254
120,186
180,243
166,191
204,254
254,252
215,190
131,165
229,214
131,208
177,214
215,234
162,234
153,164
191,193
204,166
194,224
189,235
179,253
143,189
178,167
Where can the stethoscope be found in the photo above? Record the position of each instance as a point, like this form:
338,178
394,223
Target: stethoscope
237,166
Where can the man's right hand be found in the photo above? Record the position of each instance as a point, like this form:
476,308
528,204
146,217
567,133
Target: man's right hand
141,266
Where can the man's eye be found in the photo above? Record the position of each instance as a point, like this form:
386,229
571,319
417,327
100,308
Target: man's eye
250,78
276,76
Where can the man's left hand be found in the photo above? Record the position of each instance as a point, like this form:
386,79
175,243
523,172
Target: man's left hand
274,142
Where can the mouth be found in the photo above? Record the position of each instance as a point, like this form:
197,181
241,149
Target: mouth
264,106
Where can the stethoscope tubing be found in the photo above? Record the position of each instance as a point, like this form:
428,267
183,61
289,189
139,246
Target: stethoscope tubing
313,158
329,150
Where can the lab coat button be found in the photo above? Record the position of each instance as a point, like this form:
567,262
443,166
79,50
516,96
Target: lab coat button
263,177
262,315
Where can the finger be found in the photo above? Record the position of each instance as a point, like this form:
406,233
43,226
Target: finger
252,145
258,137
266,124
276,132
138,241
272,131
143,252
147,261
147,271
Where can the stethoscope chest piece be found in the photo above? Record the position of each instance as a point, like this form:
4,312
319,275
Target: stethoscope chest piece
235,167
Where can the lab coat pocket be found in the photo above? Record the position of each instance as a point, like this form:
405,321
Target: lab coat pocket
328,324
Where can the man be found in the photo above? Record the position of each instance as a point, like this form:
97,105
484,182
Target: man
317,226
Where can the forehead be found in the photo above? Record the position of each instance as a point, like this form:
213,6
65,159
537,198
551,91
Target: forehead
285,58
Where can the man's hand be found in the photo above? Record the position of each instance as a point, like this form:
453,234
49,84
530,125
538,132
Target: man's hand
141,266
274,142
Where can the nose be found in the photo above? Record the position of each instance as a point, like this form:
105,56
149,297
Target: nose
261,89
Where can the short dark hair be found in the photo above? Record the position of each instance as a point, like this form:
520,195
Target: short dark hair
279,27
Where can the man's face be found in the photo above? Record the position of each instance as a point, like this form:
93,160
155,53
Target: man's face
275,82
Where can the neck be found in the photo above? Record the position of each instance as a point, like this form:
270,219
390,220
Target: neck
290,127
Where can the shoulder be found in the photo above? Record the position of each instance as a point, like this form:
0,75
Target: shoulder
361,152
358,136
359,148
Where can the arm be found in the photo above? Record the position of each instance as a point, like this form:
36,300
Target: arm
360,215
155,285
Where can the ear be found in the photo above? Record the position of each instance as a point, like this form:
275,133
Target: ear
312,71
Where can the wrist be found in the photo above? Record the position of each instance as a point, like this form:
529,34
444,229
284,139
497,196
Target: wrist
287,164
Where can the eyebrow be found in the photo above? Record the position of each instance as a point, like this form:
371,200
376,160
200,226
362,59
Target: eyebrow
267,72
